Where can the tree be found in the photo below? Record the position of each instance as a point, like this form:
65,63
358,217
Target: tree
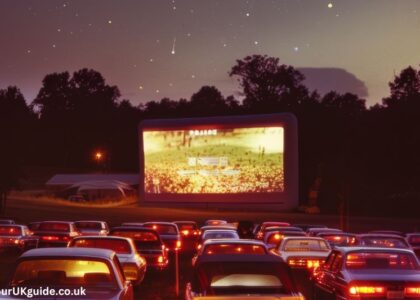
268,85
405,87
208,101
15,118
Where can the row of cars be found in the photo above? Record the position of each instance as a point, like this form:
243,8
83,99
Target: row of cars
230,261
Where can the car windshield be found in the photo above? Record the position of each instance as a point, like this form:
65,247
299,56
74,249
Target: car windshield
388,242
64,227
142,239
220,235
10,231
168,229
89,225
234,249
381,260
228,278
116,245
64,272
306,245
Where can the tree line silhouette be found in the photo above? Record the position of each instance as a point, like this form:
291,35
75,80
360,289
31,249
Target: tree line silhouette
369,155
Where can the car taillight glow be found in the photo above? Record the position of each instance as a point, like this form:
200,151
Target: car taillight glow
366,290
160,259
313,263
178,244
50,238
185,232
412,291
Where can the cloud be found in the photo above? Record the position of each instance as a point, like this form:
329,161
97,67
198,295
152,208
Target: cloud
325,80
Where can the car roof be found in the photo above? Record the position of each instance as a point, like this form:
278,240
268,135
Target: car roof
133,228
220,230
238,258
89,221
382,235
12,225
185,222
347,250
69,252
312,238
159,223
234,241
63,222
101,237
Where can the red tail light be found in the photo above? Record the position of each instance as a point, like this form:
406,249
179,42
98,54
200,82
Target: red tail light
412,291
357,290
52,238
185,232
49,238
178,244
313,263
160,259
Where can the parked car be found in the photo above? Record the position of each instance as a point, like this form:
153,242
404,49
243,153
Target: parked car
16,239
148,244
96,270
190,234
168,233
304,253
305,227
338,239
260,229
414,240
215,222
7,222
55,233
382,240
230,246
92,227
368,273
134,265
246,229
316,230
241,276
273,238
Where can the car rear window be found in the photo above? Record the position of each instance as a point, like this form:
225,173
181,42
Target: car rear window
10,231
381,260
117,245
220,235
138,235
414,240
183,227
387,242
234,249
54,227
64,272
89,225
163,228
227,278
305,245
341,240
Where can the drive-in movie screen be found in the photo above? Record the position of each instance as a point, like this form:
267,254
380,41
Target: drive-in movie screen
214,161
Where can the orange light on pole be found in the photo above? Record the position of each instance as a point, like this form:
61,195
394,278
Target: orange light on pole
98,156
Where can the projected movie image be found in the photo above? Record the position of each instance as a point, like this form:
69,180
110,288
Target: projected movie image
214,161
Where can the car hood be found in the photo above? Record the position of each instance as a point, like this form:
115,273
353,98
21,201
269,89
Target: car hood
384,275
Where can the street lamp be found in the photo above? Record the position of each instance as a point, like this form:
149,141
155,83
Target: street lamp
98,156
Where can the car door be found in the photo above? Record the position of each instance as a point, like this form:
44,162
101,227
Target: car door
337,281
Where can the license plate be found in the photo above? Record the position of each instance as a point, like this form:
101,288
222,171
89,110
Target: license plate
395,295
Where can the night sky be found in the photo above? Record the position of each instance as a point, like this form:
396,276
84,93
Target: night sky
153,49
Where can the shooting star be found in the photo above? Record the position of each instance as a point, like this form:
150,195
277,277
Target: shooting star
173,46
